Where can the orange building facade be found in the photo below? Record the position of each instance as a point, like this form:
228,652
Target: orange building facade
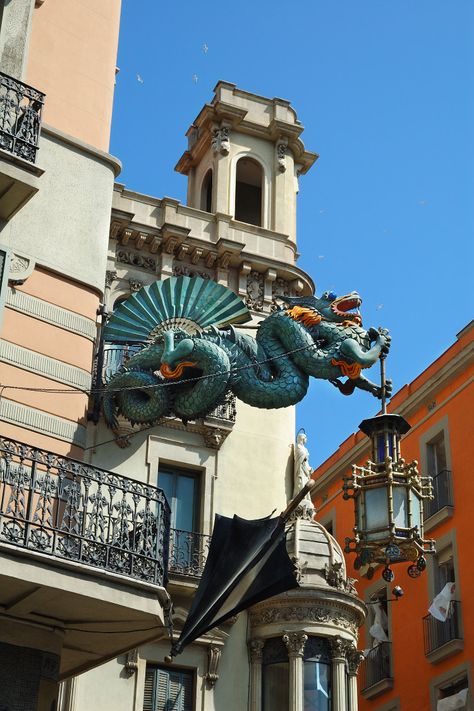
417,662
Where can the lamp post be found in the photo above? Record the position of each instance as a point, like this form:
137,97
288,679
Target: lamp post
388,496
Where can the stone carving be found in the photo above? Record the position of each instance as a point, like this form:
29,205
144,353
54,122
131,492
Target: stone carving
220,140
281,155
135,285
295,642
185,270
213,659
306,613
210,259
214,437
131,662
20,269
110,277
339,647
335,577
354,658
256,649
136,260
255,291
280,288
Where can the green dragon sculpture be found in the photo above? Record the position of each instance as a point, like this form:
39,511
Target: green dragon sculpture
194,357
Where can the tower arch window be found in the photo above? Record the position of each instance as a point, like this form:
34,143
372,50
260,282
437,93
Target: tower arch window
249,191
206,192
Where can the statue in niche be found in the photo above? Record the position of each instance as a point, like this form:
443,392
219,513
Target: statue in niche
301,468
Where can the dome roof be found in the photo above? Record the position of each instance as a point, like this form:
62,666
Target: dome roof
318,556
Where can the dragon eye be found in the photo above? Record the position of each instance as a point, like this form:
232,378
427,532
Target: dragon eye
331,295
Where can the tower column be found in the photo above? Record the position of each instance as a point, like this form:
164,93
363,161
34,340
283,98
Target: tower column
339,649
295,643
256,653
354,658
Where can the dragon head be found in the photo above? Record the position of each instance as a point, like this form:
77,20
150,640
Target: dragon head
329,306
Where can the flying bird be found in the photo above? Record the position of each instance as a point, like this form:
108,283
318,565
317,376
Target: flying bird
139,79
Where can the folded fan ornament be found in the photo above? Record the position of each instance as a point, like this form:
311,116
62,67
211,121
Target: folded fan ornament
247,563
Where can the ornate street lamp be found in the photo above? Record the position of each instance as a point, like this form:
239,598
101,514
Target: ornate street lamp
388,496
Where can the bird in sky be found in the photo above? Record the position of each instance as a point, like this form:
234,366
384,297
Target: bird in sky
205,48
139,79
195,78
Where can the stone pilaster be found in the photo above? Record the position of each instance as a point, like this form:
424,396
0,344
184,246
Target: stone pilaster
295,644
339,649
354,659
256,654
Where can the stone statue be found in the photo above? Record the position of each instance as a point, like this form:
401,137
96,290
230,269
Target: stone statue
301,468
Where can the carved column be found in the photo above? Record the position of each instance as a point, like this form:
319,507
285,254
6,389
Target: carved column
295,643
354,658
339,648
256,653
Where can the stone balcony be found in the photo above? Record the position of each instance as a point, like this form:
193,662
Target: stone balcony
20,124
84,553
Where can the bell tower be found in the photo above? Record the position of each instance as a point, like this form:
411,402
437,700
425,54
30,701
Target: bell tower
244,158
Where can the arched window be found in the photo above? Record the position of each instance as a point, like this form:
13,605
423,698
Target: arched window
275,676
206,192
249,191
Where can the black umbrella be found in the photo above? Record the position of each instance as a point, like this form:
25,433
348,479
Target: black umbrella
247,563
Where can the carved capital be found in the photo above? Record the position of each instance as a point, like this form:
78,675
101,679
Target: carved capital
110,277
295,643
354,658
339,647
256,649
213,659
220,140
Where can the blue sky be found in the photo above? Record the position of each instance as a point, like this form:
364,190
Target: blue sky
384,90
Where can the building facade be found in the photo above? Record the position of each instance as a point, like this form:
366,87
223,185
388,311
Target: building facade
419,661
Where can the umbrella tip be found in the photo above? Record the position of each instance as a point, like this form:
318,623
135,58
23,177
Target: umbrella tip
168,659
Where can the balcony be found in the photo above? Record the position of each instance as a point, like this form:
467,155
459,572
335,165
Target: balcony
20,123
441,506
84,549
443,639
376,676
188,553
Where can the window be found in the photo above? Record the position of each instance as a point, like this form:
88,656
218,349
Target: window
454,695
275,676
168,689
249,191
317,675
188,547
206,192
442,626
435,462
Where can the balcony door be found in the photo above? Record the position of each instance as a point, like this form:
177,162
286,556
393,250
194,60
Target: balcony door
181,488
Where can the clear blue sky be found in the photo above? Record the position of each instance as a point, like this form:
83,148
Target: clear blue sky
384,90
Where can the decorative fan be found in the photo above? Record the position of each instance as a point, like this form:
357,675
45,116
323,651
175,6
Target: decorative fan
188,303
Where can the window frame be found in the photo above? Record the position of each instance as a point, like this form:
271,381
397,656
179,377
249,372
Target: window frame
448,677
441,427
192,474
189,671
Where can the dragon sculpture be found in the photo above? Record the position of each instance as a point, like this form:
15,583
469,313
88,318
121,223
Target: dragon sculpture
193,356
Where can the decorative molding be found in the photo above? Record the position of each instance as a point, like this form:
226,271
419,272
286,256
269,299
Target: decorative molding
295,643
21,268
280,288
213,659
298,610
141,261
256,649
54,315
50,425
186,270
110,277
44,365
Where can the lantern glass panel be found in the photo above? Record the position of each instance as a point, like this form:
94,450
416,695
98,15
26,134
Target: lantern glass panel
376,511
400,507
380,449
415,510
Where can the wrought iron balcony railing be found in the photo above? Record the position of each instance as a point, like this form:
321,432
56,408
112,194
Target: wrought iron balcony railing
442,493
20,117
188,552
114,356
376,666
70,510
437,633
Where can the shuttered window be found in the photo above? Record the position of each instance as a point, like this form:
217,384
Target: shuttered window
168,689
